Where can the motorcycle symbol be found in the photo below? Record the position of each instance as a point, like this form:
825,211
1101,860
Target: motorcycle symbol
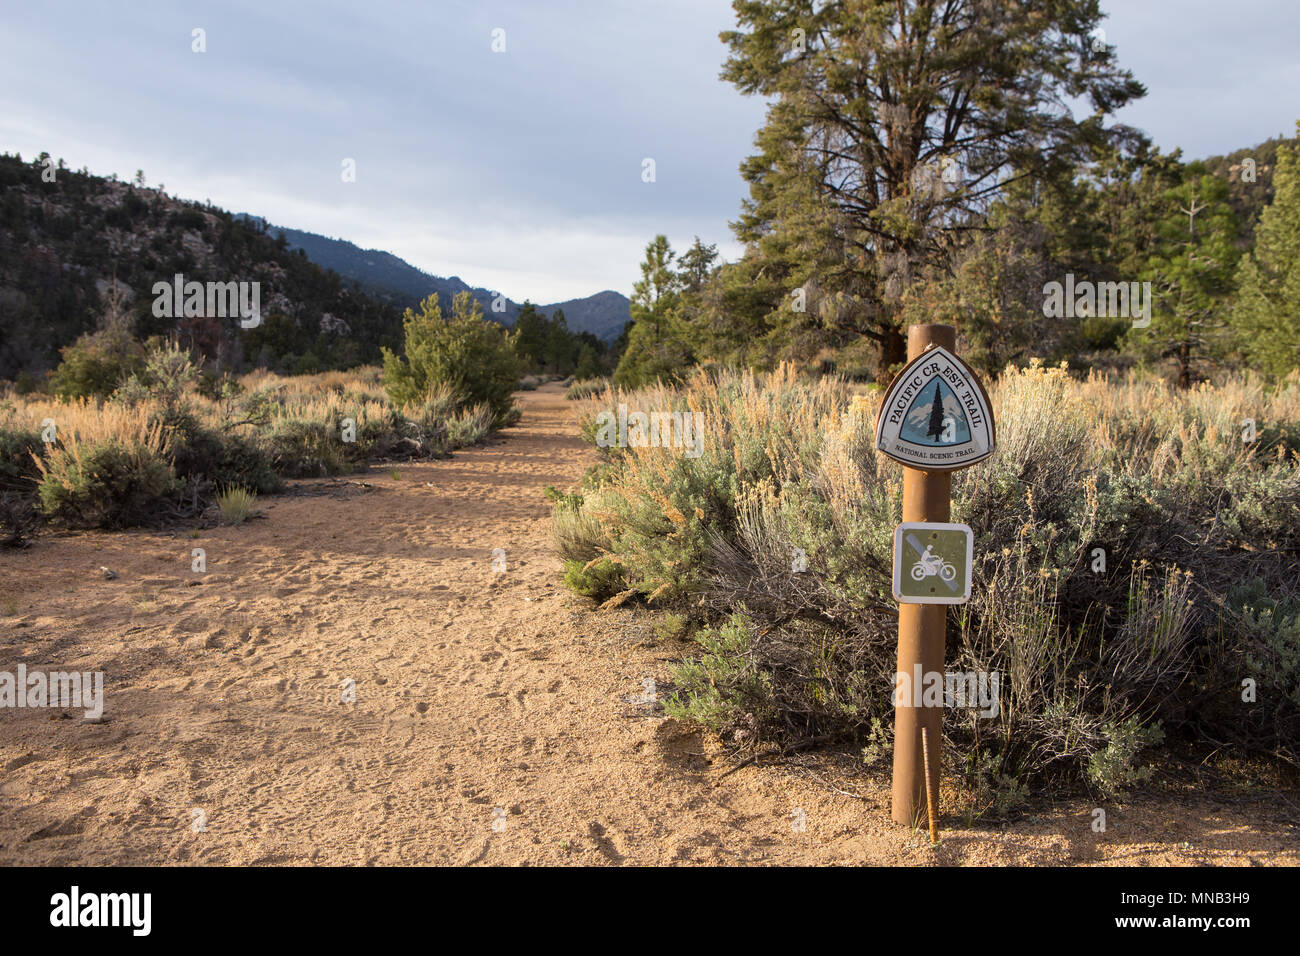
929,565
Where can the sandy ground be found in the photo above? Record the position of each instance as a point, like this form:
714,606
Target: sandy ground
495,720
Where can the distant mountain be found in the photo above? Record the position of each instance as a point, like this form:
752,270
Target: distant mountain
603,315
384,276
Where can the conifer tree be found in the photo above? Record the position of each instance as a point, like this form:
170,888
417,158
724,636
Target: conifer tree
1266,318
870,99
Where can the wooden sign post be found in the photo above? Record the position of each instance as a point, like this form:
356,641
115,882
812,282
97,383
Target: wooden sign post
935,418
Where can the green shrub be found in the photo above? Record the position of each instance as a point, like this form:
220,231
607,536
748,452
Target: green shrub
1268,637
167,375
473,357
19,519
424,428
18,445
96,364
107,483
377,436
219,387
673,627
725,690
581,541
1113,769
244,461
205,458
426,436
25,383
302,448
219,459
599,579
1102,333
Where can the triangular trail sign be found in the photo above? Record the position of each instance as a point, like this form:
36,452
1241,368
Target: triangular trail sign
936,415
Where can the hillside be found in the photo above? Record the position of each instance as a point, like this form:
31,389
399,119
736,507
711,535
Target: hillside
1248,199
64,243
386,277
604,314
325,303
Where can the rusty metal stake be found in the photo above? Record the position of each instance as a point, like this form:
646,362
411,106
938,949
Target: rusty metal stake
929,787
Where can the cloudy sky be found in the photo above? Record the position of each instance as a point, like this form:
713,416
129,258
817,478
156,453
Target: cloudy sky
518,170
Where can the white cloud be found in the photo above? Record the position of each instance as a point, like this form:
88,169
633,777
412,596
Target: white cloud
518,170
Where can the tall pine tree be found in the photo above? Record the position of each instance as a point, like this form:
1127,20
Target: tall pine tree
893,124
655,347
1190,268
1267,314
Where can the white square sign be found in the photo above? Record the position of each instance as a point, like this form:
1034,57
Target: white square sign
932,562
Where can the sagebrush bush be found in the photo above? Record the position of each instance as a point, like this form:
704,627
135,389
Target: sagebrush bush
107,482
167,374
726,688
210,457
306,448
251,432
1097,656
470,426
19,446
600,578
206,452
19,519
586,388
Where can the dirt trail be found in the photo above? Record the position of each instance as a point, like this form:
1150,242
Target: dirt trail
495,718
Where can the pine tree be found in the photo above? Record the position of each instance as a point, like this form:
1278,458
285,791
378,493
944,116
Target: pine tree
655,346
1266,317
475,357
531,334
561,346
588,363
1190,268
696,266
867,97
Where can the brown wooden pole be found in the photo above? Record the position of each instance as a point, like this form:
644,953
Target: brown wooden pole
927,496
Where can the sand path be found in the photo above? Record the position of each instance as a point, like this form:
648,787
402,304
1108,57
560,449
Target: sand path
495,716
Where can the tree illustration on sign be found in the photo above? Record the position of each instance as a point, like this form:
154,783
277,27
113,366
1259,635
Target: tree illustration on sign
936,415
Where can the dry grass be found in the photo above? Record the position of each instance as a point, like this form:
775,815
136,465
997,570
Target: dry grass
87,421
236,504
262,428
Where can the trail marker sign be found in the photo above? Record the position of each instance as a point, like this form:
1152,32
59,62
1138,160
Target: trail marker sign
932,562
936,415
935,418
